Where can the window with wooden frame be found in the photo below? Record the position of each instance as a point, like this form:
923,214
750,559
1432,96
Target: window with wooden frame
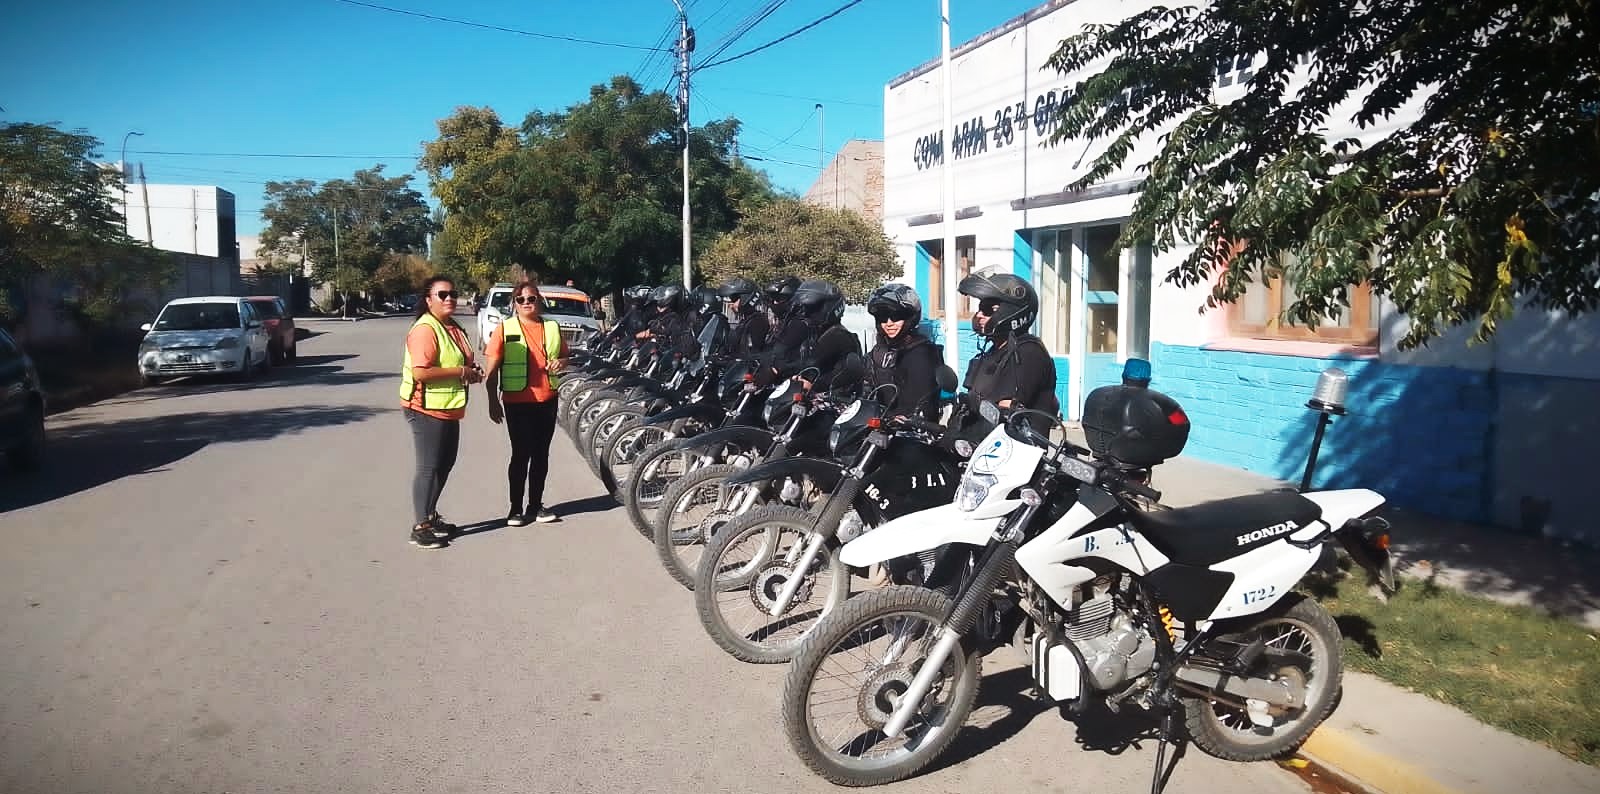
1259,313
966,251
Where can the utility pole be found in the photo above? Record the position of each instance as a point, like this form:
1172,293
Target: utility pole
685,46
948,259
338,269
144,190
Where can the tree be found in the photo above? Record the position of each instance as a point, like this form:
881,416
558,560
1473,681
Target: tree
468,138
591,193
791,237
60,219
377,216
402,274
1488,193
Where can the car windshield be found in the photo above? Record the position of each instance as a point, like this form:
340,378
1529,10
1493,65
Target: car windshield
566,306
267,309
499,300
198,317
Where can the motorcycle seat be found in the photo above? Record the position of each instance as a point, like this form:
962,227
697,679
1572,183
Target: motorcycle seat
1211,532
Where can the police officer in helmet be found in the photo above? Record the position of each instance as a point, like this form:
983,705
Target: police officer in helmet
751,329
817,307
903,356
1013,369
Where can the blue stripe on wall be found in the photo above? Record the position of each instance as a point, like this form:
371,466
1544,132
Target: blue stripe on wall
1421,436
924,264
1022,255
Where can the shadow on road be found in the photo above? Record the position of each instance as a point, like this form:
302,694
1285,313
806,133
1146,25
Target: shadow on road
588,504
308,370
1005,706
87,455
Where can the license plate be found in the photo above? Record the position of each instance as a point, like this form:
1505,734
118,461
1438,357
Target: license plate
182,358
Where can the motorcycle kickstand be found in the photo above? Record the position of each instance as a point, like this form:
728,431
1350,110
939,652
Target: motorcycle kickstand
1157,781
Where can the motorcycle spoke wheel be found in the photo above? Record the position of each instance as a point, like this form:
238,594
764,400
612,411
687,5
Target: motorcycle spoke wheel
848,680
742,575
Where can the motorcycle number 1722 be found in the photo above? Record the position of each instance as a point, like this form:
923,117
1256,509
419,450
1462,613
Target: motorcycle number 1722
1260,594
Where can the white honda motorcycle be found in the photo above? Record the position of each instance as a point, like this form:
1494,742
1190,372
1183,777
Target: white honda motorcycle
1187,613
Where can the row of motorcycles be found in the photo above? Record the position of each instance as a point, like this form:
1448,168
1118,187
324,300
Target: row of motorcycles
883,557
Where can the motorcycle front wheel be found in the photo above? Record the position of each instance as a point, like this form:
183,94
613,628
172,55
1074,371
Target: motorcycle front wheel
743,572
847,680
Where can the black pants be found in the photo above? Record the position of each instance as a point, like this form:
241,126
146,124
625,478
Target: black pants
530,425
436,441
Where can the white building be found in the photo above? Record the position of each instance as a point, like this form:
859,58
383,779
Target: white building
1457,431
196,222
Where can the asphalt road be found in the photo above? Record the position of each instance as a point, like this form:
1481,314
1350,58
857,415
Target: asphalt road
209,589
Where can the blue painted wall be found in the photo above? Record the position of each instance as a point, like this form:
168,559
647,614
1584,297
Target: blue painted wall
1421,436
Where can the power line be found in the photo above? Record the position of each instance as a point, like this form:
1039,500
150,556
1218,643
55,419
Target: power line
468,23
781,39
294,156
812,166
743,28
823,100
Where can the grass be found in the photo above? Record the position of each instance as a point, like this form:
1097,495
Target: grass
1512,667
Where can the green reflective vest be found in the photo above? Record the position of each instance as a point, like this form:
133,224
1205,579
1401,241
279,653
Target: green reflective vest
445,394
514,362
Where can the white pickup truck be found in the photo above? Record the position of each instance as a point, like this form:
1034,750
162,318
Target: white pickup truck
569,307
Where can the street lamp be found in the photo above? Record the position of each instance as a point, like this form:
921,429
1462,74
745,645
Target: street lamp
122,163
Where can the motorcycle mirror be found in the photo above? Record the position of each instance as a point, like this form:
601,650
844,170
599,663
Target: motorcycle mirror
989,411
946,378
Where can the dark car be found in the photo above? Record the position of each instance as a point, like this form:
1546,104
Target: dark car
279,326
21,407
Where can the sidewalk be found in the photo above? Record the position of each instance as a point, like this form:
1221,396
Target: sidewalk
1395,741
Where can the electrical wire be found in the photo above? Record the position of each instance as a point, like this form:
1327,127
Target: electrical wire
292,155
744,27
469,23
781,39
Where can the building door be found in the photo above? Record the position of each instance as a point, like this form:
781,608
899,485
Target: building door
1094,304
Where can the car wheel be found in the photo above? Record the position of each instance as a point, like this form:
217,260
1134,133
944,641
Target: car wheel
246,367
275,353
29,454
294,350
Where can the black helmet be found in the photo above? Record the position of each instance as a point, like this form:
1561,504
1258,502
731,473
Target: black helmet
705,301
781,291
821,302
638,294
740,289
897,300
1013,302
668,296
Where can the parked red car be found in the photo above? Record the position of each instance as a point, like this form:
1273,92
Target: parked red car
279,326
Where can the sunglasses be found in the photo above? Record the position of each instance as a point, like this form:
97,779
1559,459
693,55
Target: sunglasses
445,295
524,300
886,316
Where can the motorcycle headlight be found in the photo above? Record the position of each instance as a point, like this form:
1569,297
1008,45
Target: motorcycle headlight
227,343
146,348
974,488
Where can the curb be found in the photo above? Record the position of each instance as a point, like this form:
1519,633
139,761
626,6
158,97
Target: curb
1344,755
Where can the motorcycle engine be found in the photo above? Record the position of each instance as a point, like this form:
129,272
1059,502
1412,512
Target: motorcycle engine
1114,648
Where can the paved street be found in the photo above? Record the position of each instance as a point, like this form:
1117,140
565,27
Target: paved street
210,590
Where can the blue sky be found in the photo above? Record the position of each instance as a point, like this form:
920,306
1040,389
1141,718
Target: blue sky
328,77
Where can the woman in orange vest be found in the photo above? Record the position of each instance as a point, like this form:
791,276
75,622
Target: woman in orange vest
434,376
522,358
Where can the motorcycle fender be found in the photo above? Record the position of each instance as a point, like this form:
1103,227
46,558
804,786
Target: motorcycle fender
699,409
738,435
825,473
918,532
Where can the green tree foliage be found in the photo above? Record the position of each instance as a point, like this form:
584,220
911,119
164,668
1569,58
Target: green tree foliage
1483,193
377,216
592,193
791,237
60,219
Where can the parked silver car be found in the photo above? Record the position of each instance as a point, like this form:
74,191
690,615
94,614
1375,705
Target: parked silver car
204,336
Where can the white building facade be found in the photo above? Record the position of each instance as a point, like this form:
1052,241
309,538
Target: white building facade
1458,431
